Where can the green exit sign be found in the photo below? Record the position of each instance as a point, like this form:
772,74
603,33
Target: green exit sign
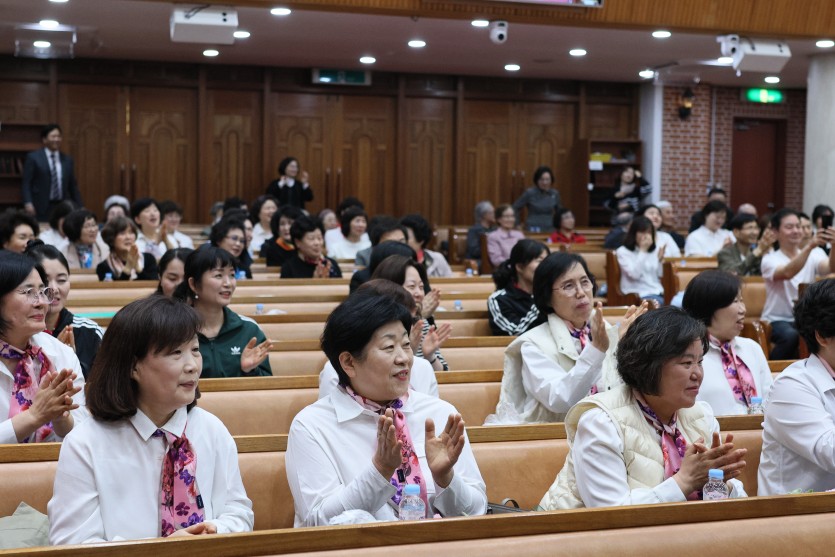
763,96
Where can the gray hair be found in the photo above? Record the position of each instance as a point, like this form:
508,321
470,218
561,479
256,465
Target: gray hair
482,208
664,204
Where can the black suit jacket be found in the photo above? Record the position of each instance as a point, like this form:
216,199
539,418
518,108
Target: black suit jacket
37,180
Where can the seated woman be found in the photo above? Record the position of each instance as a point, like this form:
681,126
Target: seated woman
662,239
17,229
85,249
564,228
125,261
354,223
263,209
379,253
54,236
411,275
418,235
422,378
230,234
502,240
358,447
309,261
551,367
280,248
232,345
149,463
511,306
172,270
41,383
735,368
79,333
798,453
641,262
172,215
647,441
710,237
146,216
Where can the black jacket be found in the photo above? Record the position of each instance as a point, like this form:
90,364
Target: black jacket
295,267
295,195
87,336
512,312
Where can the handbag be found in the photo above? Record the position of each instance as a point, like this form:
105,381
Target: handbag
507,505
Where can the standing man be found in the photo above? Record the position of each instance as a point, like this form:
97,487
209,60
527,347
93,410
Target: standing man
48,176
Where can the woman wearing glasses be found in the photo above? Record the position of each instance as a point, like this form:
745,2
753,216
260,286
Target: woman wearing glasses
230,235
41,383
125,261
84,249
552,366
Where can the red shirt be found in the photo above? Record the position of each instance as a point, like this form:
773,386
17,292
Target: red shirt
559,238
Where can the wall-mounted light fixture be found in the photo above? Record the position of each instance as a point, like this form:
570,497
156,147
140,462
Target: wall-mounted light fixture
685,103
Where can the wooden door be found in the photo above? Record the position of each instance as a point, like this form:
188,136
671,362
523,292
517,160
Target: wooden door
93,118
301,125
758,162
365,154
427,187
163,147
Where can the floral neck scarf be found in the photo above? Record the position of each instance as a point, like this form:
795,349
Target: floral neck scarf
27,380
181,505
409,471
737,373
583,334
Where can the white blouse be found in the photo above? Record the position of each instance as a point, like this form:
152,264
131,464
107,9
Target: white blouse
704,243
107,485
715,389
640,272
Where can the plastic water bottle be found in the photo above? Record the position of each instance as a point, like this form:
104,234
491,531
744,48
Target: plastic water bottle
240,275
756,406
259,309
411,505
715,488
459,306
469,272
108,277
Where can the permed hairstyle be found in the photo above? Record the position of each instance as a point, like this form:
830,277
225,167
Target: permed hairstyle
11,219
74,223
349,215
523,252
304,225
420,228
287,212
14,269
549,271
258,204
708,292
814,313
116,226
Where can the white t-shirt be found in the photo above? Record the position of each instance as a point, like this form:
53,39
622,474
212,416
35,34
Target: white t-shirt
662,239
780,295
704,243
259,236
640,272
347,249
422,379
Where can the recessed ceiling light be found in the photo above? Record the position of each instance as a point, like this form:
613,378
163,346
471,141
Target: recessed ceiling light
48,23
479,23
647,73
826,43
59,1
281,11
577,52
726,60
512,67
42,44
417,43
368,60
772,79
241,34
661,34
210,52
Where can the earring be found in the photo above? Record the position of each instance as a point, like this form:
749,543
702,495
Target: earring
196,296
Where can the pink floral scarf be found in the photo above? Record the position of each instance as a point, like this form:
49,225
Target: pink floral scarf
181,505
26,385
737,373
409,471
582,334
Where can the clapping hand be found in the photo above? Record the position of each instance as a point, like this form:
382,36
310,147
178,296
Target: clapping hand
67,337
435,338
442,452
253,355
387,456
199,529
632,313
323,269
430,302
599,338
699,459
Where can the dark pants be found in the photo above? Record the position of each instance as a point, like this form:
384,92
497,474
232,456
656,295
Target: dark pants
784,341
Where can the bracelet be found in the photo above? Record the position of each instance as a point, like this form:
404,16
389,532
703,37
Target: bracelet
433,360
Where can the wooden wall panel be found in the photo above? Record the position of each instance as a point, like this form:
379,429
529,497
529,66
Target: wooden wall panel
24,102
235,144
607,121
428,186
489,155
93,122
164,146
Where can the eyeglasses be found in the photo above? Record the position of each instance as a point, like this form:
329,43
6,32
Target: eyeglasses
91,226
235,239
34,296
570,288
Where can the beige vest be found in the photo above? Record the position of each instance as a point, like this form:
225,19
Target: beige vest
641,450
555,341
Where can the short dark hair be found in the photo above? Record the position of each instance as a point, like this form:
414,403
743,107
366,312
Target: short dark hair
304,225
382,225
13,218
146,326
537,174
14,268
814,313
47,129
285,162
345,333
60,211
385,287
255,211
713,191
221,228
639,224
523,252
420,228
233,203
140,205
167,207
74,223
288,212
499,211
347,203
777,218
349,215
714,206
39,251
558,214
652,340
708,292
197,263
394,268
819,211
741,219
384,250
552,268
169,256
114,227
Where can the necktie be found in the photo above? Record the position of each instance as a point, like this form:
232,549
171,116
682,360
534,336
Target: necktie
180,503
55,186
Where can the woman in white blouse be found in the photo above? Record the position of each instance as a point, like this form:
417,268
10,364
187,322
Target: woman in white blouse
648,440
357,447
552,366
149,463
798,449
641,262
662,239
263,209
735,367
354,224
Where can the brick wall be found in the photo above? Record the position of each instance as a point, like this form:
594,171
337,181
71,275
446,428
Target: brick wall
685,165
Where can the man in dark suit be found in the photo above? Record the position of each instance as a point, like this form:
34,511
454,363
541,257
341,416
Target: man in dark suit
48,176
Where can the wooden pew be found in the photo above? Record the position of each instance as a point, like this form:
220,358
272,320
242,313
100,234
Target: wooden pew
615,295
678,272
